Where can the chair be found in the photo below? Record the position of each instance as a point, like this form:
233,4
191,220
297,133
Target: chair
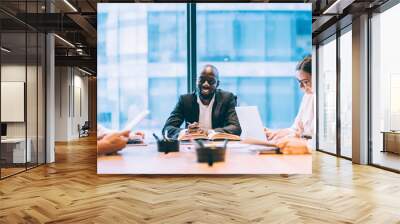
84,130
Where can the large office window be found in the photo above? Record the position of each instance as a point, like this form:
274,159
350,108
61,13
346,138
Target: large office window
385,88
166,35
327,96
142,58
256,47
346,94
141,63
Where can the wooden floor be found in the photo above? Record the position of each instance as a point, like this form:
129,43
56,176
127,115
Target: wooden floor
10,171
5,172
386,159
70,191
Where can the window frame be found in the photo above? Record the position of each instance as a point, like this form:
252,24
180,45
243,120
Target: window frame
341,27
380,9
333,36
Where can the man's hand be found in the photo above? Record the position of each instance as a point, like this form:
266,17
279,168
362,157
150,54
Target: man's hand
112,142
192,127
195,128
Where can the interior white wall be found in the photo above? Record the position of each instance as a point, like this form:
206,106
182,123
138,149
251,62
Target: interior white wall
61,103
81,82
69,81
33,126
12,73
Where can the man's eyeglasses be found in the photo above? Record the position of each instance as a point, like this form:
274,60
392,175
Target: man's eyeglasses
303,82
210,81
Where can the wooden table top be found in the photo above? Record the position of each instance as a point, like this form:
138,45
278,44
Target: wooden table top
239,159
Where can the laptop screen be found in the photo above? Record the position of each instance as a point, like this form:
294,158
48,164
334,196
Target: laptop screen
251,123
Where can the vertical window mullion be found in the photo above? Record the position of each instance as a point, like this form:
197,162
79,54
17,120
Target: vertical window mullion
338,73
317,97
188,66
37,92
369,87
26,86
191,46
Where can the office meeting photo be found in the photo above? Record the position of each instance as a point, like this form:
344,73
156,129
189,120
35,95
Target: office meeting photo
207,88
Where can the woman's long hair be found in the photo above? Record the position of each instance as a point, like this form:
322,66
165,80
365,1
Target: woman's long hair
305,65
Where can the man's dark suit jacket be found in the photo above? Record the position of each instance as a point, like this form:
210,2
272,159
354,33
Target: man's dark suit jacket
224,118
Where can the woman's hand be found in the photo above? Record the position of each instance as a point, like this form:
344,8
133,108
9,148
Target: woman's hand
293,145
300,129
278,134
267,132
112,142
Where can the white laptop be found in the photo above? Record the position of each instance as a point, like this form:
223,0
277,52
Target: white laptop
252,126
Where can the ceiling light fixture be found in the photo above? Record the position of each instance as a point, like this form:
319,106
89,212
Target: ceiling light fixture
65,41
70,5
79,51
84,71
337,7
5,50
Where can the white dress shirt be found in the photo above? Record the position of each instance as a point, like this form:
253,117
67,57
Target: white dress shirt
205,114
305,117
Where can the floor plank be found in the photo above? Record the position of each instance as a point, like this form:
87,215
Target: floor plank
70,191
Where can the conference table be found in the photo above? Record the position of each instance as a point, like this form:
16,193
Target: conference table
240,158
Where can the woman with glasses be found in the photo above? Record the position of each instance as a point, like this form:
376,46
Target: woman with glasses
303,125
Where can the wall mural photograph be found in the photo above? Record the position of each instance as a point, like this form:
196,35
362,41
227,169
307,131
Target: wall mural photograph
206,88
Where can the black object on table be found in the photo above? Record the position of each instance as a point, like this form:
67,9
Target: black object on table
167,145
210,154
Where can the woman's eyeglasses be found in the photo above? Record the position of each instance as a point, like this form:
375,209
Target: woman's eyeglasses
303,82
